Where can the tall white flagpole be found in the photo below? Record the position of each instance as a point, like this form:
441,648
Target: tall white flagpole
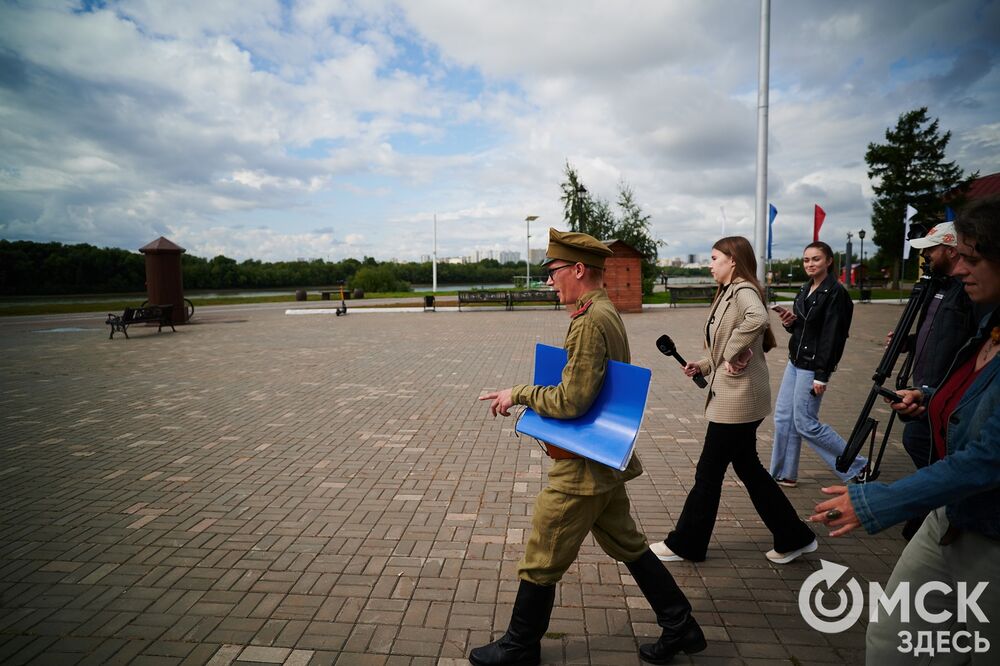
760,224
434,263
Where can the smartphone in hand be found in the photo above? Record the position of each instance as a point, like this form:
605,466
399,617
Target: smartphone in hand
778,309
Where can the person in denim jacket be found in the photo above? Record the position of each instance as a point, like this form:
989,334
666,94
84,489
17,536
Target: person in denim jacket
960,540
819,323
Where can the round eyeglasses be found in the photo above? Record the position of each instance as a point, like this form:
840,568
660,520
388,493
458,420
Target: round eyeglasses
551,271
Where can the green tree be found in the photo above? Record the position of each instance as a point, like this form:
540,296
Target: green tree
909,168
576,202
633,227
371,278
594,216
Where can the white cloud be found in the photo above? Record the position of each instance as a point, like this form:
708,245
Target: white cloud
368,117
258,243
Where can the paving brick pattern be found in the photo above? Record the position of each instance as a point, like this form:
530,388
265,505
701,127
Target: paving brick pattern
264,489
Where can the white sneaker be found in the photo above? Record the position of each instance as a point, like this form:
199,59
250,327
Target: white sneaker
785,558
665,554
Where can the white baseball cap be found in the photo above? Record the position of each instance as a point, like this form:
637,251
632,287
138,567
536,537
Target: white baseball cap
940,234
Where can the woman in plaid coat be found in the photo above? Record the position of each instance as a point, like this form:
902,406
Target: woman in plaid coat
737,334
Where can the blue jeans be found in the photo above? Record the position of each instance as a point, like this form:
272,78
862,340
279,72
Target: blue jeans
796,417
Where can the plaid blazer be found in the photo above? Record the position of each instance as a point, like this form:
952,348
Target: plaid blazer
737,322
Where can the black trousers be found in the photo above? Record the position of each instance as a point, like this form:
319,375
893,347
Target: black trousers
736,444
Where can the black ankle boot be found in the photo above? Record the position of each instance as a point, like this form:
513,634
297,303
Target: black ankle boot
686,637
521,645
673,612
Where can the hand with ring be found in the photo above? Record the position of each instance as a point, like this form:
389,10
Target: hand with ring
837,513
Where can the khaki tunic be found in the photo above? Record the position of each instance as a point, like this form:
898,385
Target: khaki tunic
583,496
594,337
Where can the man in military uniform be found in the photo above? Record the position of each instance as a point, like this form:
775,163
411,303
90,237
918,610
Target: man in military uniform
583,496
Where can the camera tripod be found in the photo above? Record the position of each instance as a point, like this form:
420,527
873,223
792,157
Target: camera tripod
865,427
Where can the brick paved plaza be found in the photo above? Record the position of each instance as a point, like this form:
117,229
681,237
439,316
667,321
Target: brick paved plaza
262,488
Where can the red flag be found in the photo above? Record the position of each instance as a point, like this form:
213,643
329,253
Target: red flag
818,216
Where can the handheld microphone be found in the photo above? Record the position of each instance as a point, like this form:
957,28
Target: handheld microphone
668,348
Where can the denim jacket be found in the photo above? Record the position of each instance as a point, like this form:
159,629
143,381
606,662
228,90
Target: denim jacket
967,480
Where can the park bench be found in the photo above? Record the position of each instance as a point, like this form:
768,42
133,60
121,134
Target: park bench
336,292
484,297
148,314
534,296
689,293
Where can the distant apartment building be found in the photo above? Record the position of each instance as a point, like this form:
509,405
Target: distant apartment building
537,256
508,257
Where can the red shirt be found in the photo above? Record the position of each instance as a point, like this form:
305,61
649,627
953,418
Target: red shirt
946,399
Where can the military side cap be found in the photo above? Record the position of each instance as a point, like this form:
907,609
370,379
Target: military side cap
575,247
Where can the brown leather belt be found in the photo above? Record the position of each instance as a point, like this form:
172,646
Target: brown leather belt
556,453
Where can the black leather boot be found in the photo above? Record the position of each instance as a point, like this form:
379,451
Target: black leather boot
673,612
522,644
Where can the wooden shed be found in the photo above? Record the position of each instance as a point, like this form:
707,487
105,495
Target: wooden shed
623,276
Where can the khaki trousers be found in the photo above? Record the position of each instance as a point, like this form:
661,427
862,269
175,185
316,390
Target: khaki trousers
561,522
972,558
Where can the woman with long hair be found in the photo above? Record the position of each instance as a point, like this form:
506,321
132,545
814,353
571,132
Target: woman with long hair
819,321
737,334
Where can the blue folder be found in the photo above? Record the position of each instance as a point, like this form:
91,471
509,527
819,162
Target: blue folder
607,432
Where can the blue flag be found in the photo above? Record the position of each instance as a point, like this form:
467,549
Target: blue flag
772,213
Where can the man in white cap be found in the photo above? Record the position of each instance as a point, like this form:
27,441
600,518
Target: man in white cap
947,321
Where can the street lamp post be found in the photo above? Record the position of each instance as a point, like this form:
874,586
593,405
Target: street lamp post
848,261
527,255
861,235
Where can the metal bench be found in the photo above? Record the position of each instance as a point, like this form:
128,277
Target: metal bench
484,298
534,296
157,314
697,293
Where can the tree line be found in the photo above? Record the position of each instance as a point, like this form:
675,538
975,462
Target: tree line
30,268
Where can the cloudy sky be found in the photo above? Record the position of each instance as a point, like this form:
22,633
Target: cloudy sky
323,128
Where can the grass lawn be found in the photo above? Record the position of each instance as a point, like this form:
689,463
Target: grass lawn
12,308
661,297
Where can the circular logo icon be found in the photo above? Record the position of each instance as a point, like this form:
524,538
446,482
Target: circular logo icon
815,612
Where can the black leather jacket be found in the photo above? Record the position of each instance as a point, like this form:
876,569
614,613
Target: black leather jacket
956,320
821,327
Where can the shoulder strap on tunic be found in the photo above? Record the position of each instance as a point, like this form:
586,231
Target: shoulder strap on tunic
582,309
